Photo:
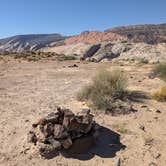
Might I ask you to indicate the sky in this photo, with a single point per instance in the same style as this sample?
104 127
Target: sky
70 17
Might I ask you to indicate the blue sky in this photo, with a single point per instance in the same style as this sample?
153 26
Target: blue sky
73 16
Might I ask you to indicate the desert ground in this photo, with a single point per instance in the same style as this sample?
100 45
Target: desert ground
30 90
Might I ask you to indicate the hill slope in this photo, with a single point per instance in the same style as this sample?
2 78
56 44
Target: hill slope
28 42
148 33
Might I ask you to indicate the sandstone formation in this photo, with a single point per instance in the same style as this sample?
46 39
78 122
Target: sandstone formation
148 33
93 37
142 51
114 51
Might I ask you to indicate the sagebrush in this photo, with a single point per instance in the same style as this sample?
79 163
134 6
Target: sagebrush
160 70
104 87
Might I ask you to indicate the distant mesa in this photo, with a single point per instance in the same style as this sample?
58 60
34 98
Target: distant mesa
147 33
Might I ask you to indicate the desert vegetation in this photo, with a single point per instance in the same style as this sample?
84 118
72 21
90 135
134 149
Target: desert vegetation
105 86
160 70
160 95
34 56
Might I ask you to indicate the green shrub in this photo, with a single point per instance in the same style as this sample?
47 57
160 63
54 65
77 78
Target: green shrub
104 87
142 62
65 57
160 70
160 95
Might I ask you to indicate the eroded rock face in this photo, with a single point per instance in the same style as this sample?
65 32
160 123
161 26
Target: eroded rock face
148 33
63 130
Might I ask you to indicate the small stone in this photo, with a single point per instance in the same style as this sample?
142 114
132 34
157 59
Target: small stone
66 143
56 144
34 125
46 149
48 129
52 118
73 65
142 127
156 118
32 137
41 121
144 106
158 111
68 115
60 132
156 155
152 164
118 162
151 75
39 133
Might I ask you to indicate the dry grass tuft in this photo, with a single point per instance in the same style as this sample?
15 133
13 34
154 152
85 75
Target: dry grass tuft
121 128
160 95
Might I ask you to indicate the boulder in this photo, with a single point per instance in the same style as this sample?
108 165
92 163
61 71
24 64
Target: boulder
103 52
81 123
118 48
59 132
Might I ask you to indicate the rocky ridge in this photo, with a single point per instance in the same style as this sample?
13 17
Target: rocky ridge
114 51
28 42
148 33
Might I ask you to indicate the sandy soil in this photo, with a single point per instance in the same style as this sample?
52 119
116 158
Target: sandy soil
29 90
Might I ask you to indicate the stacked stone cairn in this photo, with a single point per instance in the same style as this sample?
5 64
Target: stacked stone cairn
60 129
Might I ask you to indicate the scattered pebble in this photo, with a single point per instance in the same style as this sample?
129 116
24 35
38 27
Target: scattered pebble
156 155
144 106
152 164
155 118
158 111
142 127
118 162
73 65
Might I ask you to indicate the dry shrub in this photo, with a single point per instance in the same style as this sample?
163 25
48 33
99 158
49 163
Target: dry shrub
62 57
104 87
160 70
160 95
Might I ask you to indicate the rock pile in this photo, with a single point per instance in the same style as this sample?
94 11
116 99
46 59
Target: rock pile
59 130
